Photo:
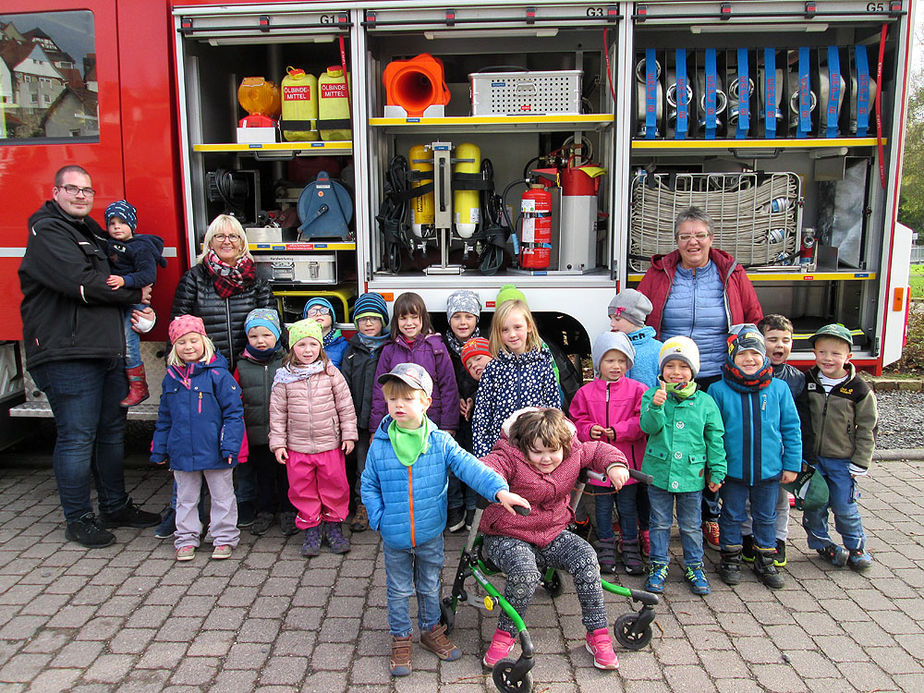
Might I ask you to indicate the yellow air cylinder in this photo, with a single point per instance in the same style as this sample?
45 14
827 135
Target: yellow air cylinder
334 104
420 160
466 203
299 106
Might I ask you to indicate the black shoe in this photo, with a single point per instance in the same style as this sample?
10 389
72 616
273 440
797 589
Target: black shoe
730 567
780 559
455 519
469 518
287 523
129 516
167 527
262 524
87 532
766 572
246 514
747 548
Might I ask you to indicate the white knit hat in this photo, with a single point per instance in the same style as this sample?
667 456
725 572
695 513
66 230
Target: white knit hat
682 348
609 341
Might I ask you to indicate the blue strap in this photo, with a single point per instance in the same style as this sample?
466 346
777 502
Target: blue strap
711 85
834 89
805 94
683 108
744 94
651 94
770 88
862 90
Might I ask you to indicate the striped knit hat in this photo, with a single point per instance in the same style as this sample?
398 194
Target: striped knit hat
370 305
475 347
125 211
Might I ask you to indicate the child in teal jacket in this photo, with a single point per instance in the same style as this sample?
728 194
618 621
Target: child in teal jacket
685 453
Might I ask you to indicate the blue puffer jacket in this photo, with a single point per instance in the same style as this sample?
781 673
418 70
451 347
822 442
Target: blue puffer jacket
762 430
200 423
696 308
407 505
645 367
335 344
509 383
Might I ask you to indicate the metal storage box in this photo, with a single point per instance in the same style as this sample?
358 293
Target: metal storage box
300 269
526 93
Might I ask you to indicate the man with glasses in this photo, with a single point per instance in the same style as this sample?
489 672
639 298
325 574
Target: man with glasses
75 349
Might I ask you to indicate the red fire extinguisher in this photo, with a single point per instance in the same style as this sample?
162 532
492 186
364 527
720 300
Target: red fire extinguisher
536 228
807 248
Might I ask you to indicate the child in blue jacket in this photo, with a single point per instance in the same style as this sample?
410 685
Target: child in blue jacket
763 447
404 489
200 430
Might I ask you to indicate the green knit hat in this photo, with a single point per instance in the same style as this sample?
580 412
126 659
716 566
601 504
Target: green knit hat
508 292
305 328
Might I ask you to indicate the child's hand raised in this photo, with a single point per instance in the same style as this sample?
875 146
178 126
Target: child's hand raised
347 446
282 455
597 431
660 396
509 500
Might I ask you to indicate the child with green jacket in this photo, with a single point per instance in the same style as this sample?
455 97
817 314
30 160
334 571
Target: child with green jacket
685 453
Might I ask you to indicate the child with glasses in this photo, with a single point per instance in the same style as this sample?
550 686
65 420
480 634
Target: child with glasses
134 258
322 312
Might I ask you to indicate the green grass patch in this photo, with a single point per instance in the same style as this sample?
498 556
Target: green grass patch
917 281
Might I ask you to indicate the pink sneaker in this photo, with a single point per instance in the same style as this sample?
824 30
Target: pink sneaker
501 645
600 645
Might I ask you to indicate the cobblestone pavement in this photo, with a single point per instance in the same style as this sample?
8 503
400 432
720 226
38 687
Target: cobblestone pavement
129 618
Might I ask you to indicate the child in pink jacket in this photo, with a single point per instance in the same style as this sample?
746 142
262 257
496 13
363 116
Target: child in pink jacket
608 409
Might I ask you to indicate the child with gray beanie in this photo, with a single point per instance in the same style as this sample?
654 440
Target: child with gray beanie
608 409
463 309
628 311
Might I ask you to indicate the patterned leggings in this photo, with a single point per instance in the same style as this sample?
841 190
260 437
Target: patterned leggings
524 564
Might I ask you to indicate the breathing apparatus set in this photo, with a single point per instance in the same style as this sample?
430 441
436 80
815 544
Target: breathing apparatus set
441 194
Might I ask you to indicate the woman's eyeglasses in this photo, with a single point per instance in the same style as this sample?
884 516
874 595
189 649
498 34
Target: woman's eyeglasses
222 237
687 237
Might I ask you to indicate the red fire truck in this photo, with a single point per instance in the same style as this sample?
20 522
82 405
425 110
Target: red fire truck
783 119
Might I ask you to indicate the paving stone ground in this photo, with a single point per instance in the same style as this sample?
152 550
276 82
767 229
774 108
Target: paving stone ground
128 618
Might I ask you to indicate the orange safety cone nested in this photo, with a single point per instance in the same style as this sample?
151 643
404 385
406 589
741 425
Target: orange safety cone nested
415 84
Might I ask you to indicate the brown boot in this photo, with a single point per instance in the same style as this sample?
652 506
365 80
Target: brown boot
439 643
400 664
137 387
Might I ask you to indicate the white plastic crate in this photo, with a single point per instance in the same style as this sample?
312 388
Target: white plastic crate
525 93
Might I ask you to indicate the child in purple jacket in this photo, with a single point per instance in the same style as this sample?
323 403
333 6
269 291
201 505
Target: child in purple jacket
608 409
413 341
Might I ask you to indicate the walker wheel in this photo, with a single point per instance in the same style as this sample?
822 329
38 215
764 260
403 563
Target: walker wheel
625 634
447 615
503 671
553 585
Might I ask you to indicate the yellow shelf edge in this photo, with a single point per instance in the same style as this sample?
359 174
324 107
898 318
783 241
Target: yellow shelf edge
495 120
758 144
794 276
297 246
274 146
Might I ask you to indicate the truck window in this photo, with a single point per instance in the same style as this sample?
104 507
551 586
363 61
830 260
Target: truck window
48 85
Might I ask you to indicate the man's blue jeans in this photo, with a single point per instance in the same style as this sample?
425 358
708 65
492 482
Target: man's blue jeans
688 519
735 496
413 571
842 500
84 395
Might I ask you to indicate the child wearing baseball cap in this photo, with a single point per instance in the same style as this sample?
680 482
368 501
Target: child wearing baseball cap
844 417
685 454
199 431
404 489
